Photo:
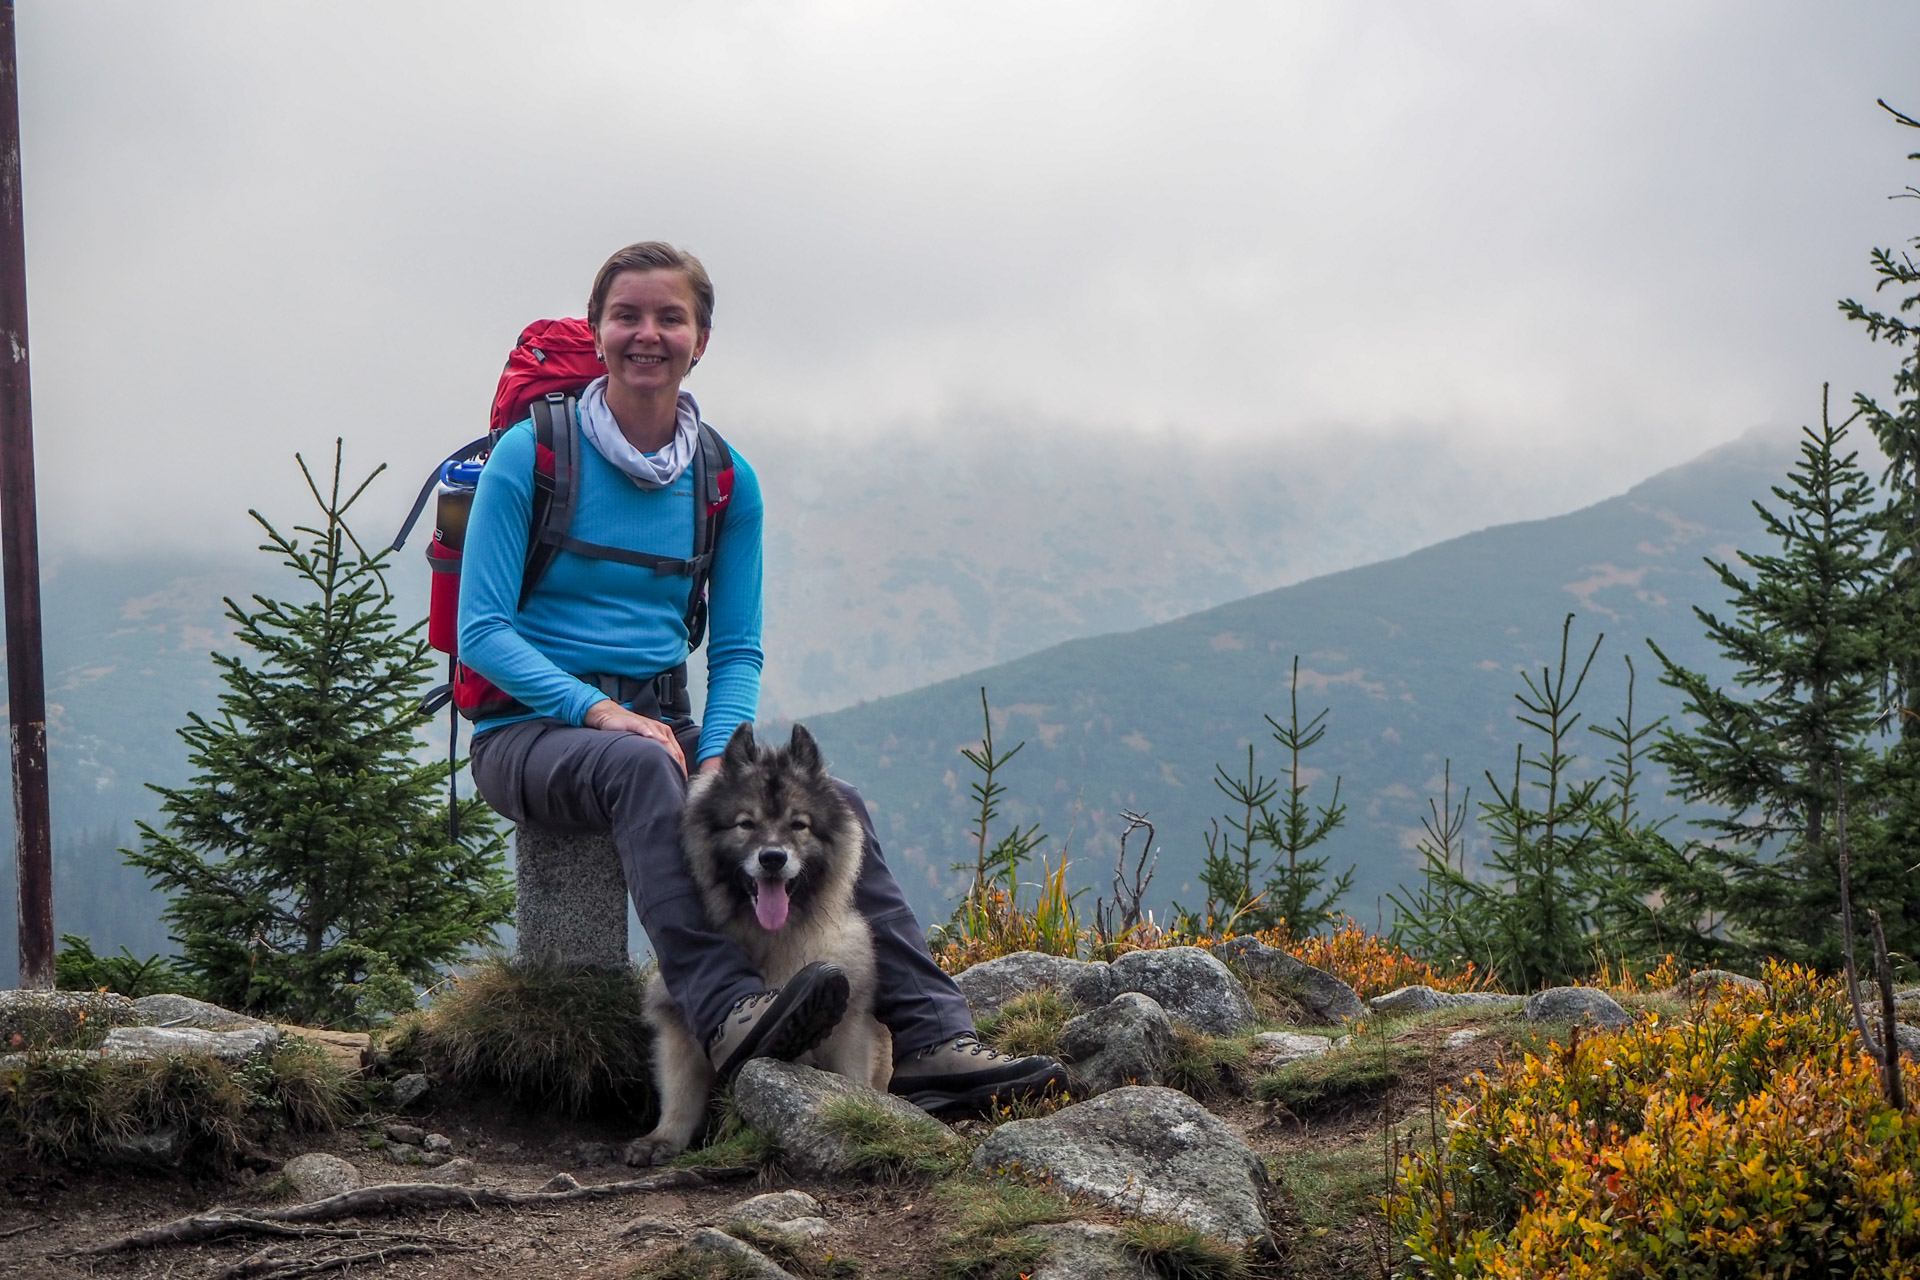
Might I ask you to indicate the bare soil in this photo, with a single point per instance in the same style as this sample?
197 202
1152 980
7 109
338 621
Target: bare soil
47 1214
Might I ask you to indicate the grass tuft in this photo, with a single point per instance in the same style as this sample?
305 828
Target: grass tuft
996 1206
891 1146
545 1035
55 1107
1029 1023
1010 1257
1175 1252
1276 999
1206 1067
731 1143
1338 1078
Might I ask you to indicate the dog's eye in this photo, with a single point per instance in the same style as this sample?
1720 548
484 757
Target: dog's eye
744 823
798 824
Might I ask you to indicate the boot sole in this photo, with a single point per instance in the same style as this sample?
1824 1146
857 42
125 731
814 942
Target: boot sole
803 1014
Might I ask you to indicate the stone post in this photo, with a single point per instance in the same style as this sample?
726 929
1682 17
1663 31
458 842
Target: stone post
572 898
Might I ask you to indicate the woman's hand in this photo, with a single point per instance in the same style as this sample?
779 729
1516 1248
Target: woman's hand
608 714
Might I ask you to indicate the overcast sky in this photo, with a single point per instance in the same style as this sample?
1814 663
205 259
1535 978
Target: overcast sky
1572 243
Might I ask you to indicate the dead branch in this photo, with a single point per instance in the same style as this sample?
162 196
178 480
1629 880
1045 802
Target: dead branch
1887 1054
1128 891
1883 973
1846 914
394 1197
11 1232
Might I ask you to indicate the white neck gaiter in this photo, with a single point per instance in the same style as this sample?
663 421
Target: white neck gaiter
648 470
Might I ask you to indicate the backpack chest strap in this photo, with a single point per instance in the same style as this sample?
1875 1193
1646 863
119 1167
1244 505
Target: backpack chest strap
663 566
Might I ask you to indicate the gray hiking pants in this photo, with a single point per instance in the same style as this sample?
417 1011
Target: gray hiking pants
549 774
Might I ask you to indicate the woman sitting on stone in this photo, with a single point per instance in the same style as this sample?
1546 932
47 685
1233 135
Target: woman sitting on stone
594 751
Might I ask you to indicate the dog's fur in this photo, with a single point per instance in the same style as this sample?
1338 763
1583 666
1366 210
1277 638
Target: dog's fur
768 801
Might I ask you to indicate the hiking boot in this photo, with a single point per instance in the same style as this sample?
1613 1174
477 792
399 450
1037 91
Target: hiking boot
962 1072
782 1023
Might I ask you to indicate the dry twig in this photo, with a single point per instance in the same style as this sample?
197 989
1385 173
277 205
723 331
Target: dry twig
267 1266
393 1197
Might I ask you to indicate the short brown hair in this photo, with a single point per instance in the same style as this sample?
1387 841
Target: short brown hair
653 255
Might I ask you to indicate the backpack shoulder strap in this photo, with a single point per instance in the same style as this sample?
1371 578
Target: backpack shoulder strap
556 485
712 492
466 452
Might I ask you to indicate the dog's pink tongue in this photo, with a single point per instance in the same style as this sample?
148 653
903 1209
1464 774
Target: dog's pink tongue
771 905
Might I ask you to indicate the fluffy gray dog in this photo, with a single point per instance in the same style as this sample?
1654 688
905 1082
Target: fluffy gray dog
774 848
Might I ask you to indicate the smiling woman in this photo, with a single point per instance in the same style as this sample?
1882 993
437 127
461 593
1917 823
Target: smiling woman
599 734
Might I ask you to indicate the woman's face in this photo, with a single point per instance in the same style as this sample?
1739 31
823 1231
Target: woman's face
649 331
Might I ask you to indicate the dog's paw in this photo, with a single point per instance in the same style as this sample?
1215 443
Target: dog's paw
650 1150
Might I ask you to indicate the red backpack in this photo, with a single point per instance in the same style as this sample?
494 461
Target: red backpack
549 366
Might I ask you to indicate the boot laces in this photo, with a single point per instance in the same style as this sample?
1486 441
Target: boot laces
968 1041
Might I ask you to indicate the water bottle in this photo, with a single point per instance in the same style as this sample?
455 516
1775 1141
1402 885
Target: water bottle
453 501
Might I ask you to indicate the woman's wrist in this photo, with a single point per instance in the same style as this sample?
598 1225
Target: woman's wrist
597 716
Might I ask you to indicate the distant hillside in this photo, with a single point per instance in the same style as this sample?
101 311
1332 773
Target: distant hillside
1416 657
896 566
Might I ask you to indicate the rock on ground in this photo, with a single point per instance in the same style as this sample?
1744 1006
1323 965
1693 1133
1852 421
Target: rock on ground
1571 1004
1087 1251
1326 997
786 1101
346 1050
1418 999
317 1175
793 1214
161 1148
1272 1049
160 1042
1190 985
58 1017
185 1011
1712 979
991 983
409 1090
1461 1039
1153 1152
1125 1041
570 898
744 1259
457 1173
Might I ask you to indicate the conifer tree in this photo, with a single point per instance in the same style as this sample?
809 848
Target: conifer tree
1535 906
1896 428
1807 639
311 872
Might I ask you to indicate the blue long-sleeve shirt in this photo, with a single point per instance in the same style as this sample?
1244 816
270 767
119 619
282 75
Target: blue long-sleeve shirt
602 616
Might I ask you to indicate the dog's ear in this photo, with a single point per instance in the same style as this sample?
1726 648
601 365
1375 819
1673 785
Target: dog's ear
804 751
739 755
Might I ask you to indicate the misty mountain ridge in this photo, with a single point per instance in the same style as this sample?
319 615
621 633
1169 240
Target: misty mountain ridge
1417 660
959 575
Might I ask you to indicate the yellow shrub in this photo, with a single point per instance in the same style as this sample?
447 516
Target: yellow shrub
1750 1139
1369 963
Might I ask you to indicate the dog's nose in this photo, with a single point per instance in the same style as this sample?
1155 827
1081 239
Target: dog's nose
772 859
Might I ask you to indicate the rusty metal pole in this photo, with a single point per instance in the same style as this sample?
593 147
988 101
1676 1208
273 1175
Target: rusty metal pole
20 552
